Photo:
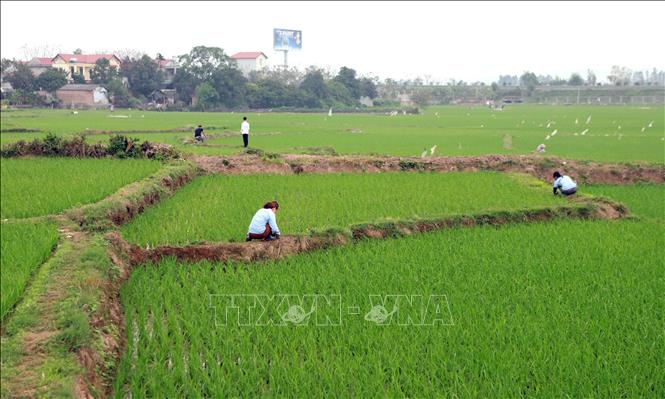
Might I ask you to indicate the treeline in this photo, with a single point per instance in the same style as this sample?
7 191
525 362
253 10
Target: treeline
206 78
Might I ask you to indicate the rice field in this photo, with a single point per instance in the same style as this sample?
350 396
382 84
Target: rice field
613 133
43 186
219 208
644 200
25 246
563 309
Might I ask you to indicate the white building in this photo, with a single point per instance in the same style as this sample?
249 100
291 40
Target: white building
250 61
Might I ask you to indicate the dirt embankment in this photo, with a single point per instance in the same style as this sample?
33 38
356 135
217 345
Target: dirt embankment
291 245
542 168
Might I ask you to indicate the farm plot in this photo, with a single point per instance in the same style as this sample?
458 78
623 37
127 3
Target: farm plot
609 133
25 246
219 208
564 309
645 200
43 186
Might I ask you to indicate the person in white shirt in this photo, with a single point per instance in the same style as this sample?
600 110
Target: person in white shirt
264 223
564 183
244 129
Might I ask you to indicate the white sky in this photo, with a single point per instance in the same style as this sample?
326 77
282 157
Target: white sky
468 41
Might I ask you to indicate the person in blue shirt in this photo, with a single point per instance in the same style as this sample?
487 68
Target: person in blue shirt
564 183
264 223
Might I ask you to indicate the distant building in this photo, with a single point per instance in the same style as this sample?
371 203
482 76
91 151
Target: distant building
82 96
170 68
366 101
405 100
81 64
38 65
162 97
250 61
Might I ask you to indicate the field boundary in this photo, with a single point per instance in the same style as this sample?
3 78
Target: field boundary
594 208
129 201
537 166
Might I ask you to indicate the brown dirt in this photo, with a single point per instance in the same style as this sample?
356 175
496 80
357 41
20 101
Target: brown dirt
290 245
540 167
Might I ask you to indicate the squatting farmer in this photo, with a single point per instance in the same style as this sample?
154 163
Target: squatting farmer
264 223
564 183
198 134
244 129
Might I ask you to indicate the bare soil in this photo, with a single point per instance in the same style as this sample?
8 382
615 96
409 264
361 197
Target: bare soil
540 167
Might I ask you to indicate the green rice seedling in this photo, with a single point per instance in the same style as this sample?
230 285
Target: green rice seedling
455 130
561 309
219 208
25 246
43 186
645 200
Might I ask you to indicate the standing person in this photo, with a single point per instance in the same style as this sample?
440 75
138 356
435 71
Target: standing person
244 129
198 134
564 183
264 223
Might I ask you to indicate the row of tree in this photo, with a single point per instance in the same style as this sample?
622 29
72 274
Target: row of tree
207 78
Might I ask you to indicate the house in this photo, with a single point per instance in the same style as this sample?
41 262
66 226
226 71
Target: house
366 101
405 100
250 61
163 97
38 65
81 64
82 96
169 67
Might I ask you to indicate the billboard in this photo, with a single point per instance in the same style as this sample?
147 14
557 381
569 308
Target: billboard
286 39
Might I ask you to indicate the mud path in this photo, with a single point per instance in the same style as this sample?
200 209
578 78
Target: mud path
582 208
542 168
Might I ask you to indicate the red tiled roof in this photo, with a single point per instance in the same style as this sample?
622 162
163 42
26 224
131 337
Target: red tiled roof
251 55
41 61
84 58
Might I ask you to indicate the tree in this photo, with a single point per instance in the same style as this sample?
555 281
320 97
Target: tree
78 51
619 75
102 72
78 78
590 78
575 80
314 84
230 84
185 84
7 66
202 62
206 96
367 88
347 77
421 97
267 93
338 92
143 75
118 92
22 78
528 82
51 80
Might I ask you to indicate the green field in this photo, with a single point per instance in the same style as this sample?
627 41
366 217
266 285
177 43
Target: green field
43 186
644 200
614 133
219 208
565 309
24 247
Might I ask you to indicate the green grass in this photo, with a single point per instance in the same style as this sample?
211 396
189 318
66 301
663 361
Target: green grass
645 200
25 246
43 186
457 130
565 309
219 208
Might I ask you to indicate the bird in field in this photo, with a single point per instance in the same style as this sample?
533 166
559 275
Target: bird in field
584 132
424 154
432 149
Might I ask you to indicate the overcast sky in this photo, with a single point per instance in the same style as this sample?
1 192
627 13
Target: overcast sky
467 41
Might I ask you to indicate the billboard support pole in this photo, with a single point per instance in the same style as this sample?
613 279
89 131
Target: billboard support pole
286 58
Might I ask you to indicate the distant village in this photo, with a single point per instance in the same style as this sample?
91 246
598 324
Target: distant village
245 80
81 92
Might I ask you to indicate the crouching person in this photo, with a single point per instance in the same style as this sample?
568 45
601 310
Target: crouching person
564 183
264 223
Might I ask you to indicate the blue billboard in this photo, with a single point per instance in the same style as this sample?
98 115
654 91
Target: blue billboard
286 39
